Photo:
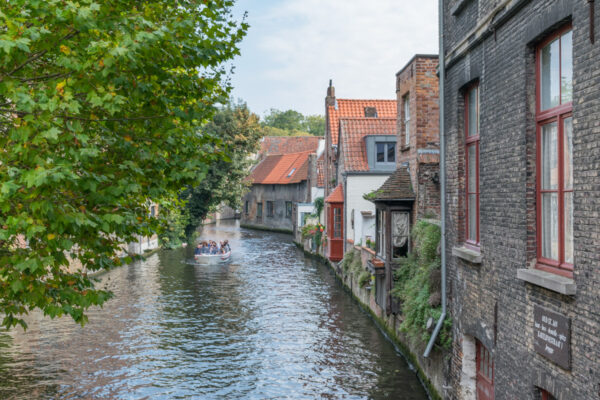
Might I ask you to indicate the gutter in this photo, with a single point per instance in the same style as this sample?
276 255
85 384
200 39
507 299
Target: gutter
442 69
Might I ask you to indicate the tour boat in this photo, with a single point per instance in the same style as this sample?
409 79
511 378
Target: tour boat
212 258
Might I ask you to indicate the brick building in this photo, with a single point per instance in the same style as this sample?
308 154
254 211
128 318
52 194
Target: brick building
417 91
522 151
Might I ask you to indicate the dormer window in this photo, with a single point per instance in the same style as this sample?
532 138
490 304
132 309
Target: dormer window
386 152
370 112
291 172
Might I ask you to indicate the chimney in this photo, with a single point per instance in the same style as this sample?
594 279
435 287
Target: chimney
330 99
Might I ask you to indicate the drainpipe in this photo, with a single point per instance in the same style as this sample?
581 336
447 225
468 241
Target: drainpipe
442 71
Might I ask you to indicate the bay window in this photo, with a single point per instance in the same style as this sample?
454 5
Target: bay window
554 154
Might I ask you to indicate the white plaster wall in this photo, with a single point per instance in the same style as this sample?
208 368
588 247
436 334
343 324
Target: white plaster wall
302 208
316 192
356 187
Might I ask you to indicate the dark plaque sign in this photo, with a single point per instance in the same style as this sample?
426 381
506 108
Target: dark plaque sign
552 336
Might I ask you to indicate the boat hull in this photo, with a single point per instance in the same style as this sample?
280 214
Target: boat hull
212 258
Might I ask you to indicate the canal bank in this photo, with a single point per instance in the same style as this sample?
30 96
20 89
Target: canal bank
431 371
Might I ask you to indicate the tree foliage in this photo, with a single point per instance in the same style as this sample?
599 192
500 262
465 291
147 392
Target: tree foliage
225 182
293 123
100 104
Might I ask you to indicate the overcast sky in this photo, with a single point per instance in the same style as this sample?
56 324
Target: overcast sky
294 47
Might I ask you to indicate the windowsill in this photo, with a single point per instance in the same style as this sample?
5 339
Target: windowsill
472 256
404 148
548 280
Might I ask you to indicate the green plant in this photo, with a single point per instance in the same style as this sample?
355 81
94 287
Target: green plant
372 195
371 244
417 286
363 278
319 205
314 232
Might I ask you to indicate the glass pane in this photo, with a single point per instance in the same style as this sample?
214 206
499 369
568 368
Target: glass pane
568 152
473 112
550 70
472 218
550 225
549 157
391 152
472 149
380 152
566 67
569 227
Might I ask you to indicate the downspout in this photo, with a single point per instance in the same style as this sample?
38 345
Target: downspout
442 72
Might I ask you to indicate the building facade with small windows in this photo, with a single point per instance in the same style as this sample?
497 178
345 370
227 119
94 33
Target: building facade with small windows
523 197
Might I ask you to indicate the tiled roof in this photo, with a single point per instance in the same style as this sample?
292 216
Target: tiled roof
397 187
281 169
337 196
347 108
271 145
321 172
352 133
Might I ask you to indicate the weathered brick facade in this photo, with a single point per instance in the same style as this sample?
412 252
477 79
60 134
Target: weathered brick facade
494 44
418 84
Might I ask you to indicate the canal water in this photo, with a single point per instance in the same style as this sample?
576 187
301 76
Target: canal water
269 324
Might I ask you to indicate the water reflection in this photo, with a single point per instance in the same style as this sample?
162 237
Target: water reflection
268 324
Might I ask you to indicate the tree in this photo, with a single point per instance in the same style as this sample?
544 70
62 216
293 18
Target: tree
314 124
289 120
100 104
226 181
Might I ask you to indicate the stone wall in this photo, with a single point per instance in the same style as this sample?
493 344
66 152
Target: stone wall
489 303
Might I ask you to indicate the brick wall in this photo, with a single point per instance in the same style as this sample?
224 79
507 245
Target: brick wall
487 301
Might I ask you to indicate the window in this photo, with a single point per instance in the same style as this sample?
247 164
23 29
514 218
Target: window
258 210
485 372
303 217
554 154
291 172
337 222
405 101
386 152
153 211
247 207
288 209
400 237
472 165
270 212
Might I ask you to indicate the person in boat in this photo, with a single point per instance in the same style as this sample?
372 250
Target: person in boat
213 248
205 248
225 248
198 250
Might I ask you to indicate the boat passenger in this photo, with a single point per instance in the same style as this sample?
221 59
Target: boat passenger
205 248
198 250
226 248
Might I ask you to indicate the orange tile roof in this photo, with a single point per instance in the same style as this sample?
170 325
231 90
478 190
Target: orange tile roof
352 133
337 196
347 108
271 145
281 169
321 171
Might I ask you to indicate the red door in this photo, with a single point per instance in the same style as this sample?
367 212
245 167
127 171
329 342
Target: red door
485 373
335 226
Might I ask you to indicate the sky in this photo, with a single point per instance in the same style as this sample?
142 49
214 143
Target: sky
293 48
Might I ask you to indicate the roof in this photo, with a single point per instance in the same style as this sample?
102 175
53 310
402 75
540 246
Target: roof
346 108
320 171
281 169
337 196
397 187
352 134
271 145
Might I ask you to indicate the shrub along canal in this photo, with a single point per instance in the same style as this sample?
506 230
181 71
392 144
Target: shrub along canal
268 324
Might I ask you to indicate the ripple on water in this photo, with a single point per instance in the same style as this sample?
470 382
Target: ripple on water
267 324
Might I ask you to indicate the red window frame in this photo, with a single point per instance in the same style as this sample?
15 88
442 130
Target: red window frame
555 114
471 141
485 372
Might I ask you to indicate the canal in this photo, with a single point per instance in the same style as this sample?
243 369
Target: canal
269 324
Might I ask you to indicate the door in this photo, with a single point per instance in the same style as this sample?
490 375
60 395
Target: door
485 373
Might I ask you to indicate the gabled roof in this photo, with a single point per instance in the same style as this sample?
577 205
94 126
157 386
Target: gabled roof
397 187
321 171
337 196
271 145
348 108
281 169
352 133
